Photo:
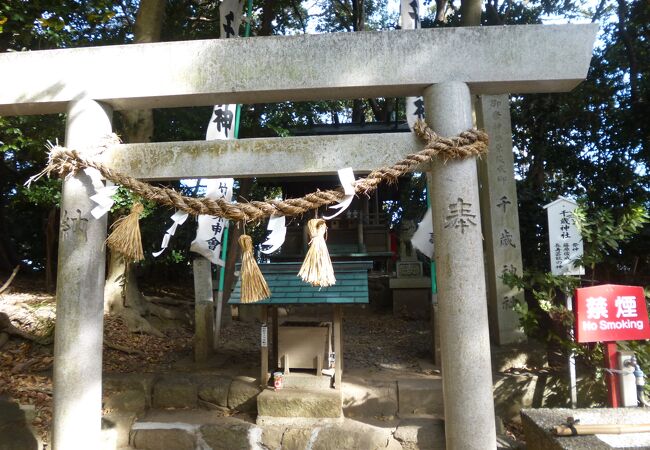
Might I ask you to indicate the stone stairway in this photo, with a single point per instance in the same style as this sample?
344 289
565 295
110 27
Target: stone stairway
214 411
304 399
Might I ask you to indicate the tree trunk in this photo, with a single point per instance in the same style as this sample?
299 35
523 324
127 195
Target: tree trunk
470 13
122 297
138 124
8 257
121 294
51 237
268 15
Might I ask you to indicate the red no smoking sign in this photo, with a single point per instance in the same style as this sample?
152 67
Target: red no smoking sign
611 313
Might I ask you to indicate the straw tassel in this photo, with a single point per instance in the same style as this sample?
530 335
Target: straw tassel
317 268
125 237
253 284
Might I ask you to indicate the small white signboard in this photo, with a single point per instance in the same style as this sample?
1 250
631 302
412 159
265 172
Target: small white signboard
264 339
564 238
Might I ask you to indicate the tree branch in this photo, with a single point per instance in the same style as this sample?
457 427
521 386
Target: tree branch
11 278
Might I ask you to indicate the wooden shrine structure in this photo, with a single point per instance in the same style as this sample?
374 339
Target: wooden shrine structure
306 344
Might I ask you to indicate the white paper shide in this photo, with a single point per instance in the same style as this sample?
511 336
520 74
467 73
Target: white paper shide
277 227
346 176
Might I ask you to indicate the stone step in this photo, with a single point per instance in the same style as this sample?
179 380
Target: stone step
200 430
363 397
420 396
315 405
193 429
299 380
421 433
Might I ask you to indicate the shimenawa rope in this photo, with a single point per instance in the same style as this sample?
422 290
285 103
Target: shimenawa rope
470 143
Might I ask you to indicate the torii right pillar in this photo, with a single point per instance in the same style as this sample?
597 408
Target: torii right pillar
464 329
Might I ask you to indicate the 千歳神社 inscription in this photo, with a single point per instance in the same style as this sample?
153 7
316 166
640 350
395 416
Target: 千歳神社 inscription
565 240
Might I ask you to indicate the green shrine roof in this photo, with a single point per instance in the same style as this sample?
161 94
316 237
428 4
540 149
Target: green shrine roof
287 288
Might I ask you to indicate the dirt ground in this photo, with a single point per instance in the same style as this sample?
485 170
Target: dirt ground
375 342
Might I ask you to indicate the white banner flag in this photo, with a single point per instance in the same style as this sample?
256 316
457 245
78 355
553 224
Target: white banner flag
222 122
209 234
422 239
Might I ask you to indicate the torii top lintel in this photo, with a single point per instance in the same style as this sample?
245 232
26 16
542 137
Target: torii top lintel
491 60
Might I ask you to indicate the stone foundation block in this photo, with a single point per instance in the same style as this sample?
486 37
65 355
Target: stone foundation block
175 393
420 396
243 394
351 435
296 438
163 439
129 401
144 382
363 398
215 390
230 434
272 437
421 433
300 403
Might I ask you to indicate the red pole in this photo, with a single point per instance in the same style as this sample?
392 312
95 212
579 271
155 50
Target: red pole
612 378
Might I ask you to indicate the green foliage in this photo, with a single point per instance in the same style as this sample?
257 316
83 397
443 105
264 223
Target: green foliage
543 314
546 302
124 200
46 192
604 233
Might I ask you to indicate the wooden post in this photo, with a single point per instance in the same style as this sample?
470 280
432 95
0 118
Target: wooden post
275 357
203 308
362 212
338 364
264 343
342 342
285 364
305 238
612 378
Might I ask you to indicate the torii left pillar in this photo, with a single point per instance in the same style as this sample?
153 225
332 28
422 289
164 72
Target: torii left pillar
78 337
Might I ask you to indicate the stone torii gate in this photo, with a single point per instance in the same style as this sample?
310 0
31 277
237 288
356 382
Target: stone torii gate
446 66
